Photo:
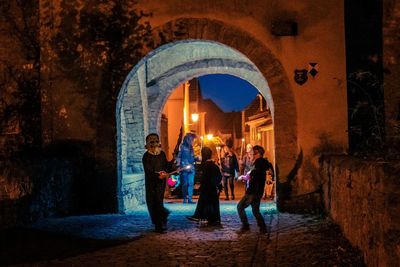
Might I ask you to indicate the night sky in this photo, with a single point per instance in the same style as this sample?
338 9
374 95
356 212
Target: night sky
230 93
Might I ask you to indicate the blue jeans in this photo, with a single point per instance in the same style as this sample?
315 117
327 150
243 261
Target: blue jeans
187 181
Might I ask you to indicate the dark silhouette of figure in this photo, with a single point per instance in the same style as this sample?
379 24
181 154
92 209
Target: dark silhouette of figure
156 165
210 187
255 190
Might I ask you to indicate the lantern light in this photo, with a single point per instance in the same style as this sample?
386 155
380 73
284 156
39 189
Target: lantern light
195 117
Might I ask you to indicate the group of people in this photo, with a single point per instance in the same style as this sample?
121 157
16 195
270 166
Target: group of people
157 168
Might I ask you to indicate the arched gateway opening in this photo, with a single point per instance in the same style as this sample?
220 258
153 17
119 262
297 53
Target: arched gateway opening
146 90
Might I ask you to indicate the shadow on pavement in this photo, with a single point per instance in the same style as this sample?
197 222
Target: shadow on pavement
29 245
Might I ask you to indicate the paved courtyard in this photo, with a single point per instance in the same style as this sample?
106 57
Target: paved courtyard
129 240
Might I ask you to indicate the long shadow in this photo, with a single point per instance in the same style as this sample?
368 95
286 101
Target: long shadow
26 246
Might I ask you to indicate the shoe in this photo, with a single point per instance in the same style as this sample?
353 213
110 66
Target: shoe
203 222
244 229
233 198
263 230
191 218
191 202
215 224
184 201
227 198
160 230
164 225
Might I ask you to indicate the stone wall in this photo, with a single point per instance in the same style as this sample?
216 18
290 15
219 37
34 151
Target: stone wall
391 55
132 191
363 198
31 189
60 182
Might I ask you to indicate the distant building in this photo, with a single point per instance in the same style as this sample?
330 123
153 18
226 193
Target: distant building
211 118
258 126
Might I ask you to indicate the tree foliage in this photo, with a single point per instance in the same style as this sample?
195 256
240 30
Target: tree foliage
20 108
106 36
367 116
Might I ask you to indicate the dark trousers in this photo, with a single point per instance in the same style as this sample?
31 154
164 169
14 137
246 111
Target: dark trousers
226 180
155 204
254 201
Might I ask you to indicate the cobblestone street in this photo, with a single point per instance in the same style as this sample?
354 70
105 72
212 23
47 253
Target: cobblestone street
129 240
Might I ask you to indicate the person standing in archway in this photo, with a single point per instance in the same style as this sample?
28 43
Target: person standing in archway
186 162
229 167
247 162
255 190
210 187
156 166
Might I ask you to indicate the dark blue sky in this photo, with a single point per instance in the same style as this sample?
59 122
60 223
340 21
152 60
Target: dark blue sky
230 93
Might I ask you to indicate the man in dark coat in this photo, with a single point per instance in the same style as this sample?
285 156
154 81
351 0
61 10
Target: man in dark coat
156 165
255 190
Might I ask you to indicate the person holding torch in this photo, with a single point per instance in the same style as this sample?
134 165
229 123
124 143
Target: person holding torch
156 167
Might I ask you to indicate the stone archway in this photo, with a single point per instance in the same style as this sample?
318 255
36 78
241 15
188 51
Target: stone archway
150 83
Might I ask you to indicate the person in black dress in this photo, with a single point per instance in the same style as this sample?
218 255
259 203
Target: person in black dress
210 187
155 166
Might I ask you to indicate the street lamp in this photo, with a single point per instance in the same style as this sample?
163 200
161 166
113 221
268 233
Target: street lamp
195 117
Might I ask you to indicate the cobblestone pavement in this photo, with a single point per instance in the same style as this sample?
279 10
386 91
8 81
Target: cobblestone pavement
129 240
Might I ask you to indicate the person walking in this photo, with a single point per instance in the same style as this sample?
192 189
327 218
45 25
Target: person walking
156 166
255 190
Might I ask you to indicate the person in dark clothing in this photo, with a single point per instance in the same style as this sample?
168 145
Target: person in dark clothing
210 187
229 166
255 190
156 165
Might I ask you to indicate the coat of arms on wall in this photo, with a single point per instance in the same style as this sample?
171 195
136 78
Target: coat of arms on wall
300 76
313 69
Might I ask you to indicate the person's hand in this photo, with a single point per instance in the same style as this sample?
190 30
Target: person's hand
162 174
